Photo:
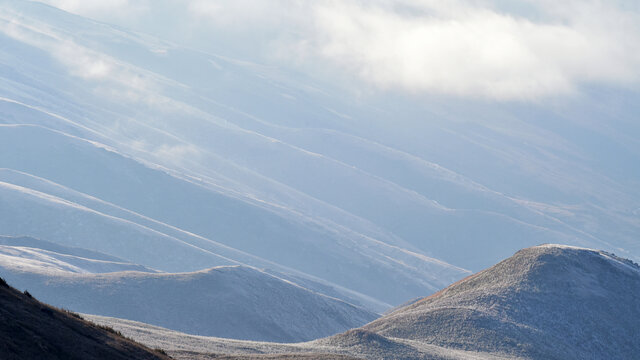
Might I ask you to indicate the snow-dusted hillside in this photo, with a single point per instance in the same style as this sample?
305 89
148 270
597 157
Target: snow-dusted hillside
544 302
29 259
150 217
180 160
233 301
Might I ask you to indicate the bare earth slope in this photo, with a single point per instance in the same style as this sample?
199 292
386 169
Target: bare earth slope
30 329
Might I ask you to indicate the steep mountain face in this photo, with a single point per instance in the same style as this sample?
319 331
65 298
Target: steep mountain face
232 302
30 329
545 302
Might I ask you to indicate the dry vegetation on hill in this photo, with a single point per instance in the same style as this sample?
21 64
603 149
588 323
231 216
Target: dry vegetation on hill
30 329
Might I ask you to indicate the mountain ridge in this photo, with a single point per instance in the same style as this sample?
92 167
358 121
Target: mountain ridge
547 301
230 301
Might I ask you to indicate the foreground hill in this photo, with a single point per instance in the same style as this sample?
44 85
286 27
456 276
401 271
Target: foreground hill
227 301
545 302
30 329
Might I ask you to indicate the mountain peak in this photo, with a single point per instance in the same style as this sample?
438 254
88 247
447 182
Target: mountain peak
548 301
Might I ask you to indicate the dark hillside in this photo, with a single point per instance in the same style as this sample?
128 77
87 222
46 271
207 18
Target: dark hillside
30 329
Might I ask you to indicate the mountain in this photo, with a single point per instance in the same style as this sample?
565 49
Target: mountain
213 189
32 255
127 152
139 213
30 329
544 302
362 171
47 246
180 160
230 301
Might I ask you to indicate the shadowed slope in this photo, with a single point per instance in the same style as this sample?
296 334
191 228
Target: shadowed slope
30 329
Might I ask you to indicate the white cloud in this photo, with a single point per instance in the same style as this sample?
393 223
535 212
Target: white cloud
80 61
207 9
493 49
99 8
103 73
177 154
461 49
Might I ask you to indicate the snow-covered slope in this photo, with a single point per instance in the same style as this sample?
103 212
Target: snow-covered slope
191 347
25 211
232 302
544 302
24 254
228 161
148 206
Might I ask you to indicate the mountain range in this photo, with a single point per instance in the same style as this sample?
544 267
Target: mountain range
260 164
164 189
235 301
544 302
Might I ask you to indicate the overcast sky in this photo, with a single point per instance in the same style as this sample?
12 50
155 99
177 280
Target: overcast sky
494 50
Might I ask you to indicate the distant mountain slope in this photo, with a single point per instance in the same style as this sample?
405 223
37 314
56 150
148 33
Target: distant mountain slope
233 302
545 302
78 193
31 330
462 182
181 160
24 211
39 256
31 242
